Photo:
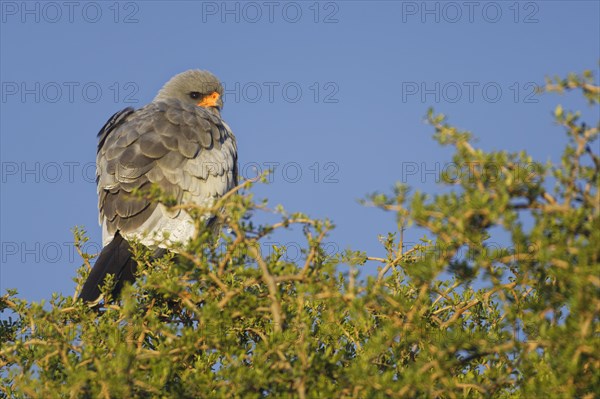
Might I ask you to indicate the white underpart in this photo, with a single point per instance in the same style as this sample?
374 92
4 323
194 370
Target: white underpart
164 228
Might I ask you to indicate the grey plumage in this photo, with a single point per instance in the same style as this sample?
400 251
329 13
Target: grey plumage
184 148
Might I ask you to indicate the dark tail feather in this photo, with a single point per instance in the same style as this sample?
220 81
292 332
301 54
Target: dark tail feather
116 259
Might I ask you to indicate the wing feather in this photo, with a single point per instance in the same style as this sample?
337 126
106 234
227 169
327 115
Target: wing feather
179 147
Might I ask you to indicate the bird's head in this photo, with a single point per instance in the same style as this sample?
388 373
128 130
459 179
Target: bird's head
201 88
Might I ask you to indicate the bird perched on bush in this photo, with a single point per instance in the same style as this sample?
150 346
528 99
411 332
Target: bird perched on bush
179 143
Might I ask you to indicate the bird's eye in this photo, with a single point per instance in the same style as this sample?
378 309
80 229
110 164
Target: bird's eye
195 95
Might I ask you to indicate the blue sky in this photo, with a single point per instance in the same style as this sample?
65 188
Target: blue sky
333 93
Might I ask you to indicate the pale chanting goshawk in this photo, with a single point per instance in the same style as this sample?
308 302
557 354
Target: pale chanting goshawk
178 142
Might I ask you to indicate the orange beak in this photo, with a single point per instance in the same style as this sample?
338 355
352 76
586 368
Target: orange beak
210 100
